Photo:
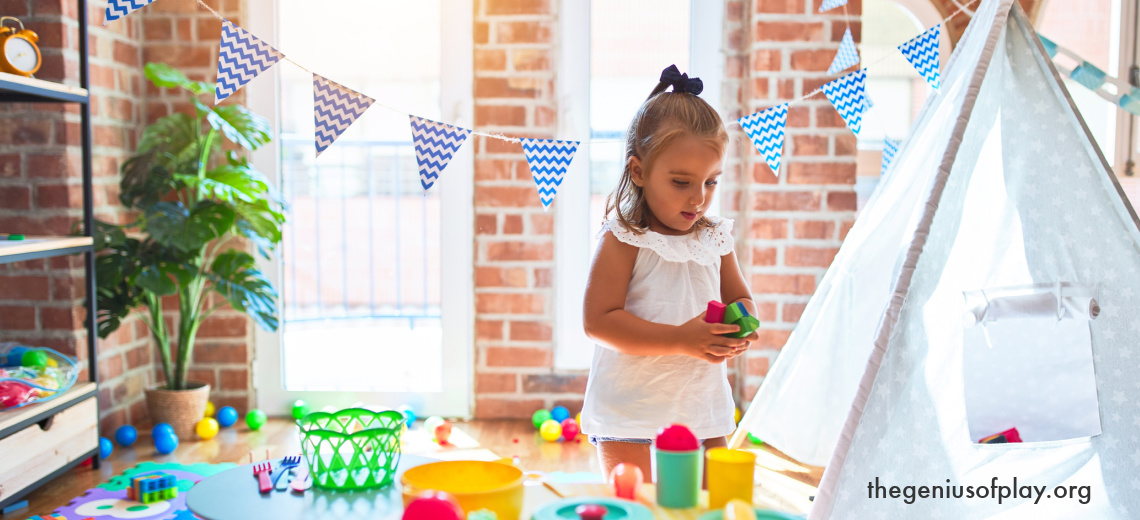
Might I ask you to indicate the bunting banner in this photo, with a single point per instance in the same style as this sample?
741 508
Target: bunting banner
922 53
120 8
1121 92
846 94
335 108
242 57
846 56
435 143
828 5
766 130
548 160
890 147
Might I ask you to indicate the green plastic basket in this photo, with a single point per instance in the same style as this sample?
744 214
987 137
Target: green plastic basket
353 449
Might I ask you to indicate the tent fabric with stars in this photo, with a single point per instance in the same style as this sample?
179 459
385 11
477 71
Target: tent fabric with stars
987 285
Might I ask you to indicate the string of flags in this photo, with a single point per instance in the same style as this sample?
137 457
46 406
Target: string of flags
1124 95
243 56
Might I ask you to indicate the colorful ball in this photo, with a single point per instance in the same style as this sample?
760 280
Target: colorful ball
627 478
209 409
578 419
34 358
559 413
736 415
105 447
409 414
677 437
539 418
432 422
126 435
433 505
207 428
300 409
754 439
569 429
166 443
227 416
442 432
550 430
255 419
161 429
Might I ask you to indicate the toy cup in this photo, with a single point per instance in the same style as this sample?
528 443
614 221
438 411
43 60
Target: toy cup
678 477
730 476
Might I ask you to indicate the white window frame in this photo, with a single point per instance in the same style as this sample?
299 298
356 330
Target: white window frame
572 350
458 279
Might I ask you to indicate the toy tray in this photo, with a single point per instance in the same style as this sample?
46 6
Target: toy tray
618 509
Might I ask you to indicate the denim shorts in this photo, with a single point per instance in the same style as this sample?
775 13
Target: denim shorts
595 440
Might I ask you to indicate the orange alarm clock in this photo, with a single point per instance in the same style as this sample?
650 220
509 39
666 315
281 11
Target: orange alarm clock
18 51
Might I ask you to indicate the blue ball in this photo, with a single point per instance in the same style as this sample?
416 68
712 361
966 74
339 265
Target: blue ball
227 416
126 435
105 447
160 429
166 443
559 414
409 415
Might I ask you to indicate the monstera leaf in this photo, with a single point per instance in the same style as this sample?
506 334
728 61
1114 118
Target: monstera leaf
239 125
163 75
236 277
172 224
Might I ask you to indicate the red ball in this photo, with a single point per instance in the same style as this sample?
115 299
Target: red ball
442 432
433 505
676 437
569 429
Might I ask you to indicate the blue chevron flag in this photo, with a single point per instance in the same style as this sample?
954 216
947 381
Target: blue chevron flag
847 55
335 108
242 57
766 130
846 94
435 143
922 52
119 8
548 160
828 5
890 148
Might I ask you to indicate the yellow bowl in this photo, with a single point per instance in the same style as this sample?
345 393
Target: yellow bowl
475 484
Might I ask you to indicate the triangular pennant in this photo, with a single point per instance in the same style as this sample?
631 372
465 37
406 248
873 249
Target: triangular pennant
119 8
242 57
846 94
335 108
890 148
847 55
435 143
766 130
922 53
548 160
828 5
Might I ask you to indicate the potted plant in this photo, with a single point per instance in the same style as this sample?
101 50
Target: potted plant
193 198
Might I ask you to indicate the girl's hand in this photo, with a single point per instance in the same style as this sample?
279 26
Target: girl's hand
702 340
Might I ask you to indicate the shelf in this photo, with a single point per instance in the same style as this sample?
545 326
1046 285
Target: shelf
19 418
34 247
15 88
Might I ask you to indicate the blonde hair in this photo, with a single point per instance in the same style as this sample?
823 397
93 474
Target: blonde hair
662 118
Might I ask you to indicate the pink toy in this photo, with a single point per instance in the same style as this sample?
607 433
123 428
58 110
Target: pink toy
591 511
262 472
627 478
15 394
433 505
715 312
442 432
569 429
676 437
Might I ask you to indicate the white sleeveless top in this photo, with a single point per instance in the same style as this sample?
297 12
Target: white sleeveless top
674 278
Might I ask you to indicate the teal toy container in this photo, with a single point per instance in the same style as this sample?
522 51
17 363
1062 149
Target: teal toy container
678 477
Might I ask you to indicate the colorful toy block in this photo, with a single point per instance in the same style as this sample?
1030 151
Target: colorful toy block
715 312
52 516
153 487
747 324
735 314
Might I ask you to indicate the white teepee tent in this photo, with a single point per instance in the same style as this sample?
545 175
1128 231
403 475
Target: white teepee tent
986 286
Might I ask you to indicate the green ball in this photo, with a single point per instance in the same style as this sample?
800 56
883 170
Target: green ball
34 358
300 409
255 419
540 417
754 439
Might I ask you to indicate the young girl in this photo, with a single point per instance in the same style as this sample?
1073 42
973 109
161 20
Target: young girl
660 261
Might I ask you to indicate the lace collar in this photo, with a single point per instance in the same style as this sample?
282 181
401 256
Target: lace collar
704 247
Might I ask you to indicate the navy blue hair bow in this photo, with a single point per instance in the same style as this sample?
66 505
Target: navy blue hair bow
681 82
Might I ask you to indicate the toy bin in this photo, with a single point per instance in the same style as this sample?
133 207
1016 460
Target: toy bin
476 485
353 449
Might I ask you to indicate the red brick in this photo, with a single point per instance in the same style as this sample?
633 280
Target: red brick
766 311
66 318
220 326
17 317
783 283
770 229
512 224
209 28
486 224
853 7
157 29
495 382
758 365
763 256
798 117
499 277
542 224
544 117
509 303
481 32
496 408
787 201
785 31
766 60
488 330
821 173
530 331
500 115
812 60
808 145
490 59
554 383
523 32
234 379
793 311
17 8
827 117
814 229
111 367
846 145
179 55
780 7
543 278
15 197
515 251
10 165
842 201
844 228
760 88
530 59
28 287
837 30
772 338
59 196
518 357
501 7
139 356
221 353
487 88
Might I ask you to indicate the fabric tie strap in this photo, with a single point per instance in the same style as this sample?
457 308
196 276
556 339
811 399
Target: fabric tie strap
682 82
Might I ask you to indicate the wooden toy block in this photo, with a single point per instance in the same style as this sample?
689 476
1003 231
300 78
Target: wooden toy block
734 312
715 312
153 487
747 324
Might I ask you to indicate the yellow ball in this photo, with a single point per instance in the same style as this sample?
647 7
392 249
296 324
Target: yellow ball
737 509
550 431
736 414
209 409
207 428
578 418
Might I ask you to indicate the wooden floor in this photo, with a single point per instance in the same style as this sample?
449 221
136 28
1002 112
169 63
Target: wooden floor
482 440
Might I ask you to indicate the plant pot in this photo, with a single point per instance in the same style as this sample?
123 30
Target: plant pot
181 409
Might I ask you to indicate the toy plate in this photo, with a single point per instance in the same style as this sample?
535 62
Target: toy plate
761 514
618 509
